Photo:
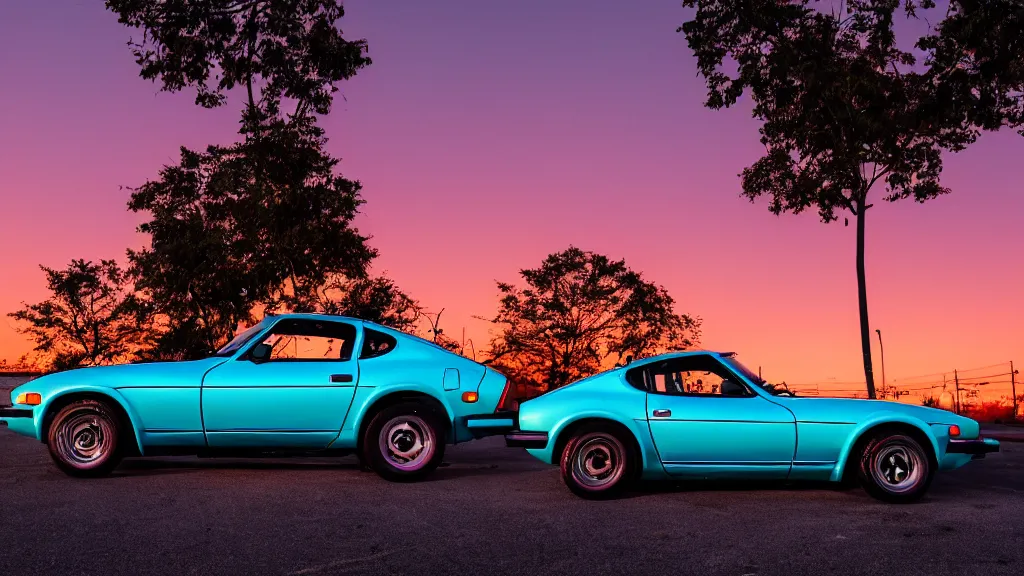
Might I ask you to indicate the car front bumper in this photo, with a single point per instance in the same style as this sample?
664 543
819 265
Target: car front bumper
977 448
18 420
528 440
8 412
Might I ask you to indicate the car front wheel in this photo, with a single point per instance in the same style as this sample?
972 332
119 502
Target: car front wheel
596 464
404 442
894 467
83 439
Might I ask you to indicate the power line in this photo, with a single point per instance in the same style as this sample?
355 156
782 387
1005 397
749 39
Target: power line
950 371
982 377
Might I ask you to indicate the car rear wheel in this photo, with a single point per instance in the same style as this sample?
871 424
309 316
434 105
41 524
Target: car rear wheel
894 467
83 439
404 442
596 463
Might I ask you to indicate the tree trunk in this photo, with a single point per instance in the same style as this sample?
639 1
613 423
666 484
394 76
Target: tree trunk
862 297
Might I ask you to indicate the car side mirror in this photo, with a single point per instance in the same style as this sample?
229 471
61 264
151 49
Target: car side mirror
260 353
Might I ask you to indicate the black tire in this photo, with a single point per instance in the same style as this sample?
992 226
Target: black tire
409 429
84 439
895 468
597 463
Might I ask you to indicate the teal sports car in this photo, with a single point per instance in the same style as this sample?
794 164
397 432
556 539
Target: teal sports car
703 415
291 384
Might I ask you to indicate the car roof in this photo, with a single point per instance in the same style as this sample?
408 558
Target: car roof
663 356
680 354
312 316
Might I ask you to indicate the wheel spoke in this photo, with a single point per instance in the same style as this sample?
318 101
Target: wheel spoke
898 467
407 442
597 463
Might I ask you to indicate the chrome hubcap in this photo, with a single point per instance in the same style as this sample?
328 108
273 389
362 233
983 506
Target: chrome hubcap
898 467
597 463
407 442
83 438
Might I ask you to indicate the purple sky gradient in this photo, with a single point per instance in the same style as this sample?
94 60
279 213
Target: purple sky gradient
489 134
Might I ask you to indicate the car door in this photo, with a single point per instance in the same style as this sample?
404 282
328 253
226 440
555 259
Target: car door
291 388
706 422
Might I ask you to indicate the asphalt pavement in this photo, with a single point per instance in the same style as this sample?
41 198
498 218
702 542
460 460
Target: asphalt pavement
489 510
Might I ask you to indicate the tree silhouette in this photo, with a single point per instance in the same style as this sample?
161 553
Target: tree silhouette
91 317
265 223
276 49
844 110
579 311
375 299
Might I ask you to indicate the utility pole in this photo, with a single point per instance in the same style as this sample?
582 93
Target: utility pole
956 380
1013 390
882 350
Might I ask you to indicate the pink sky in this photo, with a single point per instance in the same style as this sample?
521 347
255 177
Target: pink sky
490 134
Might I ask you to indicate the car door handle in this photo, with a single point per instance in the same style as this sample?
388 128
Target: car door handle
662 413
341 377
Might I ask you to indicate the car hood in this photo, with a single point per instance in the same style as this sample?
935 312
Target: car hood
856 410
188 373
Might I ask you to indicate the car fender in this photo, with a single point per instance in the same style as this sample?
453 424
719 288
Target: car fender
878 419
367 396
104 391
641 433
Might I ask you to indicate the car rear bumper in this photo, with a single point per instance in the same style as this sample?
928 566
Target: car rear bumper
490 424
977 448
529 440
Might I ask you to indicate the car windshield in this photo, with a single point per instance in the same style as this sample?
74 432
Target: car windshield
242 338
732 362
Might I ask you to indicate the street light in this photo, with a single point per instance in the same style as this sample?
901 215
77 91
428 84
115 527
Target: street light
882 350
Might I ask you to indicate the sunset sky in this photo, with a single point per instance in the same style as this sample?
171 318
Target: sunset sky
490 134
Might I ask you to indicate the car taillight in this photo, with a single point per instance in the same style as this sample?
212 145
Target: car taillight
505 397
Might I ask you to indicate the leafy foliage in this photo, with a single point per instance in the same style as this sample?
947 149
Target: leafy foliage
375 299
287 48
451 344
976 59
262 222
579 310
265 223
91 317
844 108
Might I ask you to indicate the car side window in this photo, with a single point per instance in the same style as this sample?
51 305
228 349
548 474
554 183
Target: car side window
376 344
300 340
692 376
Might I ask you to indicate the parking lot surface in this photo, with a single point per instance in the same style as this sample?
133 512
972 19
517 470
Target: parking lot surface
489 510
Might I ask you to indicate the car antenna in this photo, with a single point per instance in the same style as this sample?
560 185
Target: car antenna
629 358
